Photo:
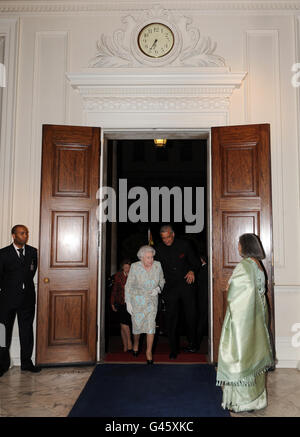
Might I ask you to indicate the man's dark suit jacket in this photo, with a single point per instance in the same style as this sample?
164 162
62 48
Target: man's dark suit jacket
14 273
176 261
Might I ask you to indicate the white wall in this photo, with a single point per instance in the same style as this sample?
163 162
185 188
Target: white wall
264 42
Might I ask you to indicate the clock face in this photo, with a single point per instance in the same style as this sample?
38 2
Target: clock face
156 40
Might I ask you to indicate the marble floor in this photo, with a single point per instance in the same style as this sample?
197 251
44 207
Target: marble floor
53 392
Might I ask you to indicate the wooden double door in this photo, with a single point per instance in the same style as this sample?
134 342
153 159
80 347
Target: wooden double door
68 254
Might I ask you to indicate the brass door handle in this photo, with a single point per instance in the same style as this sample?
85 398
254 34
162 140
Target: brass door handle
46 280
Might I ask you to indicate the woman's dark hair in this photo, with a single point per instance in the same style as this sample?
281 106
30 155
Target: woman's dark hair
125 261
251 246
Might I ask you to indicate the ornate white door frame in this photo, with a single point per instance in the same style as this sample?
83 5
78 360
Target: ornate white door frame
148 98
188 89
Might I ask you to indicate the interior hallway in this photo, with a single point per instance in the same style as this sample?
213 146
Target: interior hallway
53 392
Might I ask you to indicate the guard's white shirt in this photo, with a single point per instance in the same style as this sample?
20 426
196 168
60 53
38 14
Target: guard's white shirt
16 248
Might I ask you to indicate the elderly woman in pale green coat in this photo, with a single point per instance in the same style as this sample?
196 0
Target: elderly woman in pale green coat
245 351
145 281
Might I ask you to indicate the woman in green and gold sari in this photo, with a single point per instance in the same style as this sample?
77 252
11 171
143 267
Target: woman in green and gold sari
245 352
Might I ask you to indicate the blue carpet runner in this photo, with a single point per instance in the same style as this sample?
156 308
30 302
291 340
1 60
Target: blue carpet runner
161 390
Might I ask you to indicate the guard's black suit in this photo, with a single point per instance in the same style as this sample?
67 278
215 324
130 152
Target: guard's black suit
14 299
177 260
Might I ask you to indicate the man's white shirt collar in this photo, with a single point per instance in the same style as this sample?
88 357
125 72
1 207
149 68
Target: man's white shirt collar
16 248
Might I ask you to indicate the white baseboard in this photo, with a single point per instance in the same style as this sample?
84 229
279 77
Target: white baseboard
15 359
15 346
287 289
15 352
288 364
288 357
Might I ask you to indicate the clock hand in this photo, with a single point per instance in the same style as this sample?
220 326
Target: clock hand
153 45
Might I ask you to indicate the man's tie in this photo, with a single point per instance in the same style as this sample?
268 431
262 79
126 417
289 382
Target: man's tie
22 257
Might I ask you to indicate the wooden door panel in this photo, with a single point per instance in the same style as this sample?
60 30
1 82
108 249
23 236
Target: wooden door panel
69 239
68 262
236 223
232 183
241 203
71 170
67 315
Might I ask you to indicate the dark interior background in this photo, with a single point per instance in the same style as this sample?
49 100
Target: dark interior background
181 163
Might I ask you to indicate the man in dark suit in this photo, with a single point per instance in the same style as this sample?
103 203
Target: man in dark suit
18 264
179 265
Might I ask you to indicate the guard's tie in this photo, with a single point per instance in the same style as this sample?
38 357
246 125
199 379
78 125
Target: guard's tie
22 257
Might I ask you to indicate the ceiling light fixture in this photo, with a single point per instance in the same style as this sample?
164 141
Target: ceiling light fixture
160 142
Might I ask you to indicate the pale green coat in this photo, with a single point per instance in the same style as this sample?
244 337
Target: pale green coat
138 288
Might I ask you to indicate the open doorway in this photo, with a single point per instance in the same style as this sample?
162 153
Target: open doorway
139 163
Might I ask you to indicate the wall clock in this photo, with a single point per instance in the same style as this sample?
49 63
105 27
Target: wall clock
156 40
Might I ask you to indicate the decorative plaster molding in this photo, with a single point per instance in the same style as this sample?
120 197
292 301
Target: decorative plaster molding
73 6
190 49
287 288
154 92
155 104
57 115
272 79
123 91
287 355
297 59
9 33
176 78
